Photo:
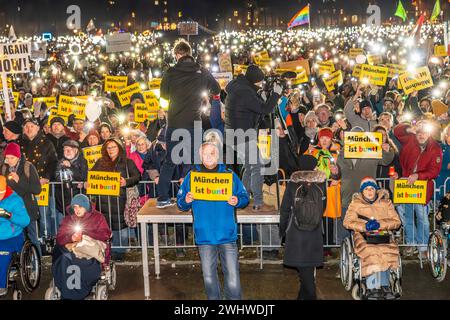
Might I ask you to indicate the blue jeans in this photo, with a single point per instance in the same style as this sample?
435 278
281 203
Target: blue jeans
228 254
120 239
7 248
415 220
377 280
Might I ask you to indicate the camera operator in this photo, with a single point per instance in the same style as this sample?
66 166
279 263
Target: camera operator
243 110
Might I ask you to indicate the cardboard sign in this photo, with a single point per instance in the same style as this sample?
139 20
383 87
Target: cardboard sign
376 75
151 101
333 79
72 105
440 51
374 59
239 69
354 52
92 154
223 78
264 145
42 198
325 67
363 145
225 62
407 193
188 28
296 65
141 112
118 42
15 57
103 183
415 81
212 186
114 83
395 69
356 71
125 94
155 84
49 101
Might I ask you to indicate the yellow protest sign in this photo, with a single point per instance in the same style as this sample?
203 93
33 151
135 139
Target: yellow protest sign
415 81
9 83
263 62
103 183
295 65
151 101
374 59
440 51
264 144
356 71
42 198
333 79
325 67
16 98
239 69
49 101
262 55
154 84
114 83
125 94
141 112
72 105
92 154
410 193
354 52
223 78
395 69
302 77
211 186
363 145
375 75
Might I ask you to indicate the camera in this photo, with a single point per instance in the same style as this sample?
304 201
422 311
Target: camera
282 80
66 176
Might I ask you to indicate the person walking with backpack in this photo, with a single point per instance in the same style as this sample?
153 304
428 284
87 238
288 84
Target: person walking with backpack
303 205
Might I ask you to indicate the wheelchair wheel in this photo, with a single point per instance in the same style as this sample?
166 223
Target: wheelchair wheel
359 291
437 255
397 288
101 292
17 294
113 277
346 264
30 267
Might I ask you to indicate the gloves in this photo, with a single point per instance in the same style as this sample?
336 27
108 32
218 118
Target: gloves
5 214
277 88
372 225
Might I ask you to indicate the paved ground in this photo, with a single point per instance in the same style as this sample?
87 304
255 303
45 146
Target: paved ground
182 280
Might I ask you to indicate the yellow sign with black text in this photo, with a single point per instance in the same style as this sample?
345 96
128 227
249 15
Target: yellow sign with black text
42 198
114 83
103 183
155 84
325 67
333 79
49 101
363 145
374 59
72 105
410 193
92 154
415 81
354 52
125 94
375 75
440 51
151 101
211 186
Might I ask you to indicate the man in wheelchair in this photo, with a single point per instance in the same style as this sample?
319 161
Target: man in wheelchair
369 215
13 219
81 249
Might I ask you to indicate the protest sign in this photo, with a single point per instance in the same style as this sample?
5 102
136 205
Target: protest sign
49 101
264 144
42 198
414 81
212 186
374 59
333 79
92 154
302 77
141 112
394 70
375 75
239 69
440 51
118 42
325 67
103 183
151 101
407 193
354 52
125 94
295 66
155 84
114 83
225 62
223 78
356 71
72 105
363 145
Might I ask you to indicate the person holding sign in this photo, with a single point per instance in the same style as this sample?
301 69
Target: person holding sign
421 159
215 226
359 111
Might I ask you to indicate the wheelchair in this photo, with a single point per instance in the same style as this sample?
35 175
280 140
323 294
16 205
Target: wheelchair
24 271
350 270
437 251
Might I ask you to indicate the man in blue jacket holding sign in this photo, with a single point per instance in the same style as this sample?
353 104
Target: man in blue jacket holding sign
215 225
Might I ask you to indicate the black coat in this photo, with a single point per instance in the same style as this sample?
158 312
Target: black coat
184 85
27 188
58 144
243 106
302 248
41 153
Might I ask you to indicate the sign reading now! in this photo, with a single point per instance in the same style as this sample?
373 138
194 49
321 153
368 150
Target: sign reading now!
415 81
125 94
363 145
42 198
212 186
410 193
15 57
375 75
114 83
103 183
72 105
92 154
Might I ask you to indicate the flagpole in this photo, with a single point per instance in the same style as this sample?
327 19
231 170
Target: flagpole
309 16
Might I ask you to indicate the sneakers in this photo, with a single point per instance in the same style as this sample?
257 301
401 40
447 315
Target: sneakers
263 208
387 293
374 294
3 292
165 204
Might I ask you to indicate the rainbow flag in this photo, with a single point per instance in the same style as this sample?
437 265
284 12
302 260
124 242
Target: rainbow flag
301 18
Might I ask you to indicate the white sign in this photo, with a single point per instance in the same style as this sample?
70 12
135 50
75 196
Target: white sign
15 57
118 42
223 78
188 28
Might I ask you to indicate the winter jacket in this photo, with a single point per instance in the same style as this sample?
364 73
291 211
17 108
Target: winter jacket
302 248
138 161
58 144
427 163
356 120
113 207
214 221
243 106
184 86
28 186
41 153
13 203
375 257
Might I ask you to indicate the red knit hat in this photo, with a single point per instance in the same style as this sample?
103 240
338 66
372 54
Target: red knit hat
13 149
325 132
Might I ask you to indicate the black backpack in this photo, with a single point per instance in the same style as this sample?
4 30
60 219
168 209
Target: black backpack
308 206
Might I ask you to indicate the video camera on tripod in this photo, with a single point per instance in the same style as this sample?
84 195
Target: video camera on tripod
283 80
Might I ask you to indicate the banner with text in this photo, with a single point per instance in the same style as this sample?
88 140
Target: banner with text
212 186
410 193
363 145
103 183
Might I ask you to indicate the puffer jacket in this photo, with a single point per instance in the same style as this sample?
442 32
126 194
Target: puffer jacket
374 257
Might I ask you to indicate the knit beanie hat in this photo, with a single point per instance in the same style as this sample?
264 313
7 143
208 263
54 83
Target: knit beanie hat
14 127
368 182
82 201
325 132
13 149
254 74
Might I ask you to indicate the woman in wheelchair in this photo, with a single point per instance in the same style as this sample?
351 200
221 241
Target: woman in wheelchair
369 212
13 219
81 249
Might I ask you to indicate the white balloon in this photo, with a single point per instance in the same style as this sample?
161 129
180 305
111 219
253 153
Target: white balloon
93 111
360 59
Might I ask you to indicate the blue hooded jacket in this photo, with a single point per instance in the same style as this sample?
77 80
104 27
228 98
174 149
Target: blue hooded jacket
10 228
214 221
